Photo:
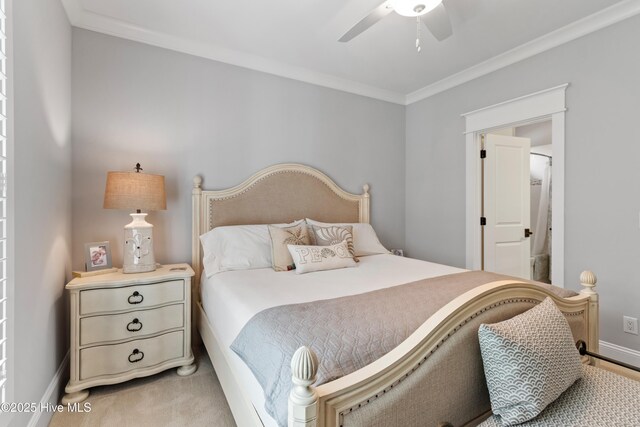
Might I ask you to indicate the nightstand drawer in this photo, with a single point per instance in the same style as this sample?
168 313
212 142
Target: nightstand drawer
113 327
130 297
119 358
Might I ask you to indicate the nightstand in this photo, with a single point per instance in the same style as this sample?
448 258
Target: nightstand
126 326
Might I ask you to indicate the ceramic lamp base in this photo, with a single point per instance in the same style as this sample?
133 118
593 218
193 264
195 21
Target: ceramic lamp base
138 245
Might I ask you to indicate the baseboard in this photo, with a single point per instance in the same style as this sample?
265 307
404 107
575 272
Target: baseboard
623 354
51 395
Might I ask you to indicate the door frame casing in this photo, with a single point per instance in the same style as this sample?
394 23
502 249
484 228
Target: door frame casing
548 104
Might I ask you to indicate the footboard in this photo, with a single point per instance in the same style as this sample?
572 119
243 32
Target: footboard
436 375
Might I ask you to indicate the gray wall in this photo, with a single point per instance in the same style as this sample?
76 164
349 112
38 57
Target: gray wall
602 173
42 179
181 115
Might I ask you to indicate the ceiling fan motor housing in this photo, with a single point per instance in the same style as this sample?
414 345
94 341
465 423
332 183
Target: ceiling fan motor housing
413 8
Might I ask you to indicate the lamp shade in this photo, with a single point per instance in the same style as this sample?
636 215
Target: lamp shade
134 190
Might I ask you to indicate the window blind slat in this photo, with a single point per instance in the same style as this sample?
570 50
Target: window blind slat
4 102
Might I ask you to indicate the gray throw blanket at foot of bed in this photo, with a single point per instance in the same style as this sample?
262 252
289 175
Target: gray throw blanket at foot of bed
346 333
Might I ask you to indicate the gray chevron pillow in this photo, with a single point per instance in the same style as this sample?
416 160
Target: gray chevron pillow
529 360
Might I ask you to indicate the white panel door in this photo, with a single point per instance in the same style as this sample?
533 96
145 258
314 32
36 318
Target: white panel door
506 205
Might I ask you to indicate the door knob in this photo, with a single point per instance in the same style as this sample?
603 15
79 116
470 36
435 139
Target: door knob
527 232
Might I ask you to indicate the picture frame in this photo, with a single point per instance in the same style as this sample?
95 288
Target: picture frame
97 256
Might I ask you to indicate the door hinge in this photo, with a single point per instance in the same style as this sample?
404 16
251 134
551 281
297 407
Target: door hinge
483 220
483 154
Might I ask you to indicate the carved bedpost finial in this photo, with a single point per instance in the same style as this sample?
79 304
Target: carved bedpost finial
366 190
303 398
197 181
588 280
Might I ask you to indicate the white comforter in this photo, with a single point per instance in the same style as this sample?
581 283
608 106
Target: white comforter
231 298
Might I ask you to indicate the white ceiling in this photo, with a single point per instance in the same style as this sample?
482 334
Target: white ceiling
298 38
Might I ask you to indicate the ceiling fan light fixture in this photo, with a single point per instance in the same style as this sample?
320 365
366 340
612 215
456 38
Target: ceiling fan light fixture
414 8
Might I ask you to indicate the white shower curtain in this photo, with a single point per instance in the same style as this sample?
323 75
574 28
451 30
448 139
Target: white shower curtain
542 226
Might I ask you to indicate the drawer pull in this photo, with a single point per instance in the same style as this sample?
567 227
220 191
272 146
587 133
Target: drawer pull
136 356
134 326
135 298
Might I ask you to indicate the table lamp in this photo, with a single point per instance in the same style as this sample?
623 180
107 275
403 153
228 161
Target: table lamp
142 192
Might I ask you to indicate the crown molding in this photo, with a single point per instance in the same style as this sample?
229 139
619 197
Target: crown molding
82 18
589 24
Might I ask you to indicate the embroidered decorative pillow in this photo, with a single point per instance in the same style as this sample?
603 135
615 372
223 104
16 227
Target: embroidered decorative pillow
365 240
281 237
529 360
317 258
332 235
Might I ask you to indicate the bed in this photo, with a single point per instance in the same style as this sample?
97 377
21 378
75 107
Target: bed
434 375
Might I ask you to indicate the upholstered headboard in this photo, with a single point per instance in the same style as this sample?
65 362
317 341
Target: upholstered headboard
278 194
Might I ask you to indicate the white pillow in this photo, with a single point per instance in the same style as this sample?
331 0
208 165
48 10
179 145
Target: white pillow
318 258
237 247
365 240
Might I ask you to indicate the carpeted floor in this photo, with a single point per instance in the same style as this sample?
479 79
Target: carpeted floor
169 400
165 399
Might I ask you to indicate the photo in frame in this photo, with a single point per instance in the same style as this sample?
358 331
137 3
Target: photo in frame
97 256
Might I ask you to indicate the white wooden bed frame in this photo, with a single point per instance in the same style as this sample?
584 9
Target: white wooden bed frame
326 404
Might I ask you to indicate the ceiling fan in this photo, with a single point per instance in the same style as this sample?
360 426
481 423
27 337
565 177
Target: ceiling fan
430 12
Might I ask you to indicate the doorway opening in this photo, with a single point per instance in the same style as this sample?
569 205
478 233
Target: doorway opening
517 209
521 114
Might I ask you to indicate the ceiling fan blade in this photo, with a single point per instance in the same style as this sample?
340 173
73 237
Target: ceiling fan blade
437 21
376 14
